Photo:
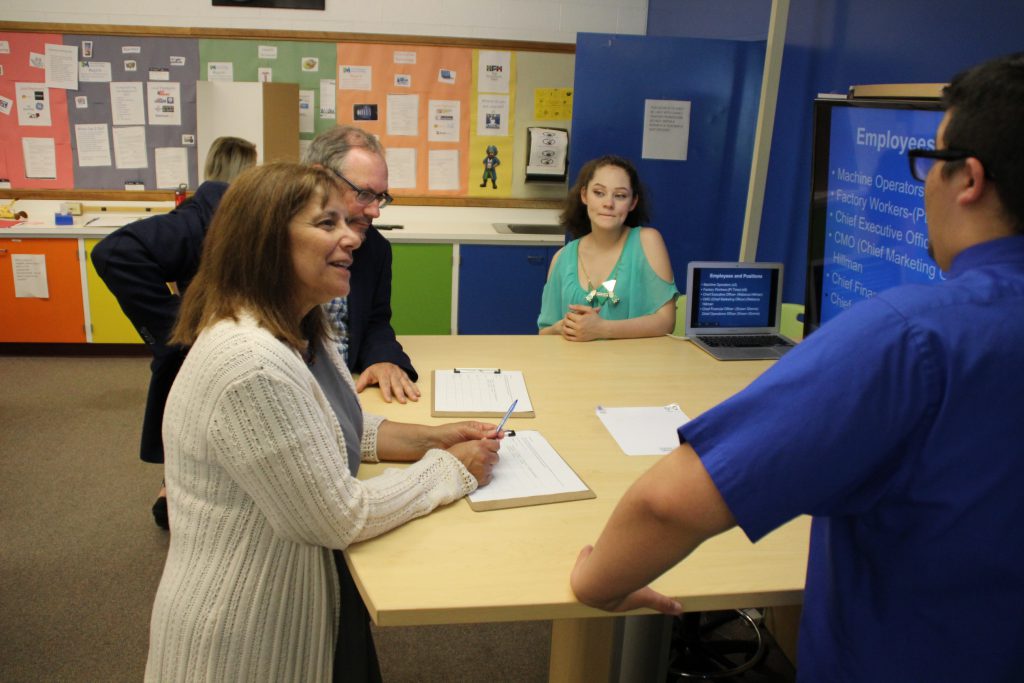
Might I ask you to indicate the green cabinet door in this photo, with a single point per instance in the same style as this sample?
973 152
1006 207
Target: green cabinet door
421 288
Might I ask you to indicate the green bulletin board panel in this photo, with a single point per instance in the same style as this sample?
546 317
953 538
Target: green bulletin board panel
294 63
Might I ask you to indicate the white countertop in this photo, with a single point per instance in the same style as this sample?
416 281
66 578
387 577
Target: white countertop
420 224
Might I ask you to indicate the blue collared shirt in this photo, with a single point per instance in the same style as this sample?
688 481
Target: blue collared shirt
899 425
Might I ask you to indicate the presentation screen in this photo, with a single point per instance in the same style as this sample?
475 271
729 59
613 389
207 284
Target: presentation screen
867 226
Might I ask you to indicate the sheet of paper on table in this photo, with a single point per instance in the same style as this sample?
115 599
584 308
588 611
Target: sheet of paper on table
644 430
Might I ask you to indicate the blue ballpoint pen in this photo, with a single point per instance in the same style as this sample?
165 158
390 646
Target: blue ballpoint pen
508 414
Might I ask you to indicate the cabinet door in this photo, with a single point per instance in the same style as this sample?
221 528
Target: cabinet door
60 316
421 288
500 288
109 323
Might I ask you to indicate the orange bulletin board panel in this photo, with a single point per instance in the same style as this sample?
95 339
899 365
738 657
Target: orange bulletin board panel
417 100
60 317
33 121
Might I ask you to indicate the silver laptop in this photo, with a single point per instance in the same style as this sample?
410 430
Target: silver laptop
733 310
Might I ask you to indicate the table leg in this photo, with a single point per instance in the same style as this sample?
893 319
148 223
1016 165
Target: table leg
585 650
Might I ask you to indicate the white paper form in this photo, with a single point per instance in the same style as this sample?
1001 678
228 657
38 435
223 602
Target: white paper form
126 104
40 156
666 129
486 390
30 276
164 101
495 71
130 147
62 66
403 114
401 167
443 120
171 166
307 113
528 466
94 72
93 144
220 71
492 115
644 431
328 99
33 104
443 169
355 77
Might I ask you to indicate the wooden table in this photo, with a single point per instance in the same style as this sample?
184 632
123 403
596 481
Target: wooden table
460 566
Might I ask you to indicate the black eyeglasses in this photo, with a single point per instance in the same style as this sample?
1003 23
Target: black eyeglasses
367 197
922 160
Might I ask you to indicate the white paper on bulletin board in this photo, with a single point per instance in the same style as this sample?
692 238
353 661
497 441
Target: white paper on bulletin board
666 129
307 117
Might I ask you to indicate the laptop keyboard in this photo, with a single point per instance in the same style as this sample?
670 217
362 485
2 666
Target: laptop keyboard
743 340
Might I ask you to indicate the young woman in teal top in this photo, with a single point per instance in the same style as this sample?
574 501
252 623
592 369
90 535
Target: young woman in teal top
613 281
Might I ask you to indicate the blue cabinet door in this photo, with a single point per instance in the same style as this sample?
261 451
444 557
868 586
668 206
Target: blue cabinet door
500 288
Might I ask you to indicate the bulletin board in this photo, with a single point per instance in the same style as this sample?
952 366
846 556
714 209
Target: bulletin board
33 125
416 99
135 125
128 121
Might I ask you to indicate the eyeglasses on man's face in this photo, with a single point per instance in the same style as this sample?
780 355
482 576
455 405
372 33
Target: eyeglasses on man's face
922 160
366 197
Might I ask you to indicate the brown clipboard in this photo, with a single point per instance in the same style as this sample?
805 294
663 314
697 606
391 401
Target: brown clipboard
543 499
506 503
434 412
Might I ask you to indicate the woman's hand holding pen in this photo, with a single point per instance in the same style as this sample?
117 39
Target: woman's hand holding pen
479 457
447 435
475 444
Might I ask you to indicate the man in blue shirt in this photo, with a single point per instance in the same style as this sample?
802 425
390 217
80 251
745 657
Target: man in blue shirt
897 426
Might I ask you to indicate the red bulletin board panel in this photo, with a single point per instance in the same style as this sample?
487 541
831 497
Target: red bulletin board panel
20 59
432 73
58 318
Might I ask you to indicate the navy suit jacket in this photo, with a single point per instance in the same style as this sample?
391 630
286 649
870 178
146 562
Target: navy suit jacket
137 260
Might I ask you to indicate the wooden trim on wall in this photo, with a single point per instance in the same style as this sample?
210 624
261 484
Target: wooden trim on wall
277 34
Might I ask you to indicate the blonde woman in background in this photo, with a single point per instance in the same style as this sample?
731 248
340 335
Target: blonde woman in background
228 157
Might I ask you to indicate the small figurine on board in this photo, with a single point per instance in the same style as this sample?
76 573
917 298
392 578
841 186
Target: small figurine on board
491 162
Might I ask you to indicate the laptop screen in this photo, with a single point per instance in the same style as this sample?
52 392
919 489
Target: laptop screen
733 296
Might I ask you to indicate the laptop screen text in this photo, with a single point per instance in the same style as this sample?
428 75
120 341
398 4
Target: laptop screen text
734 297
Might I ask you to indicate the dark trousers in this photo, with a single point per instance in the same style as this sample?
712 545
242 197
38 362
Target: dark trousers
355 658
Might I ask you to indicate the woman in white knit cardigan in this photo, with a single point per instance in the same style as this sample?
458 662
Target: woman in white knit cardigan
258 450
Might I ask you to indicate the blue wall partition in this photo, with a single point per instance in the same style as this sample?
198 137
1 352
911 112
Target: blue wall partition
697 204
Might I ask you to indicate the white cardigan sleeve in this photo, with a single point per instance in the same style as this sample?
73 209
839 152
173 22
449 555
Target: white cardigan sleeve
268 431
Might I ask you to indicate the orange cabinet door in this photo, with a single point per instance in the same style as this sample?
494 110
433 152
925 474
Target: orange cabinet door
58 318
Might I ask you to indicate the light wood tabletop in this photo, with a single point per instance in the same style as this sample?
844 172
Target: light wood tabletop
460 566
